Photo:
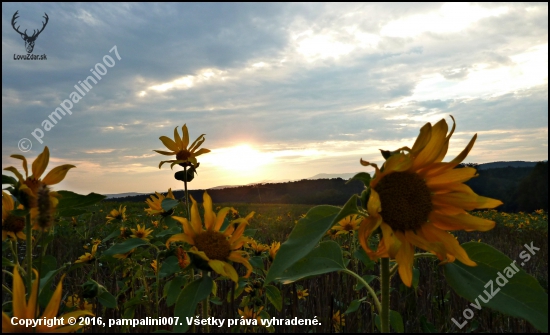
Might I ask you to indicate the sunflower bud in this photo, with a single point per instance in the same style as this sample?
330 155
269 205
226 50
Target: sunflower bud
45 218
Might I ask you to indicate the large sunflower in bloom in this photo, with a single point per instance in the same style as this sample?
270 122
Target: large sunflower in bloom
185 156
211 246
23 310
31 187
415 198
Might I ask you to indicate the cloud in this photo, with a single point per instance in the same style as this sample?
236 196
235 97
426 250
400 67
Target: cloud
309 88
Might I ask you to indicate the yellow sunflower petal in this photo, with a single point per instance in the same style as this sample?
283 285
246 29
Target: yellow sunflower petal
167 153
177 139
222 213
201 151
466 201
218 267
57 174
368 225
187 227
169 143
209 215
404 258
397 163
195 145
19 303
7 327
31 306
196 222
238 232
452 176
181 237
423 139
16 173
451 244
40 163
185 137
390 241
465 222
21 157
431 151
53 305
236 256
201 254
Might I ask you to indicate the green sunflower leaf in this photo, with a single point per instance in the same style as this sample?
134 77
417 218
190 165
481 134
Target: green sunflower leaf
498 283
8 180
361 176
274 296
304 237
167 204
188 300
327 257
125 246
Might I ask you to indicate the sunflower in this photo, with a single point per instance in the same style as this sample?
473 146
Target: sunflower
415 198
22 310
258 248
124 256
302 294
347 225
76 302
119 214
87 257
338 321
273 249
141 232
154 265
249 313
184 156
31 188
155 204
12 225
214 249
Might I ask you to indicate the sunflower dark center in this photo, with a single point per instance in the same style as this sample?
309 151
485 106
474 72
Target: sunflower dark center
348 227
13 224
183 155
214 244
405 199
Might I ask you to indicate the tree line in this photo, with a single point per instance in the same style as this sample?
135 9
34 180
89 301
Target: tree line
519 188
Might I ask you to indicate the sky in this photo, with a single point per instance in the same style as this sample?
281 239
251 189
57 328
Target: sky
281 91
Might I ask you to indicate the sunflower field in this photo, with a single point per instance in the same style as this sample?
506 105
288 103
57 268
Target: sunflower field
416 251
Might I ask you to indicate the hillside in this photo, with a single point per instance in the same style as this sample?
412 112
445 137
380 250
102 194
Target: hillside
520 188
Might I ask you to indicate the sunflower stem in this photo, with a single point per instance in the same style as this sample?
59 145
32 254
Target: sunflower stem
186 194
28 232
367 286
385 283
205 304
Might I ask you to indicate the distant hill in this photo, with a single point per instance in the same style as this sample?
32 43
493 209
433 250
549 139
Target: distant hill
514 164
521 186
121 195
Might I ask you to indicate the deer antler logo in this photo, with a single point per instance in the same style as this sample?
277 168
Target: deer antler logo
29 40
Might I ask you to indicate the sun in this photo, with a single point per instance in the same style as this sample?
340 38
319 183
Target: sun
239 158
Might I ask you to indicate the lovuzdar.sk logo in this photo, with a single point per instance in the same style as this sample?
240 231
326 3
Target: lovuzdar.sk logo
29 40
